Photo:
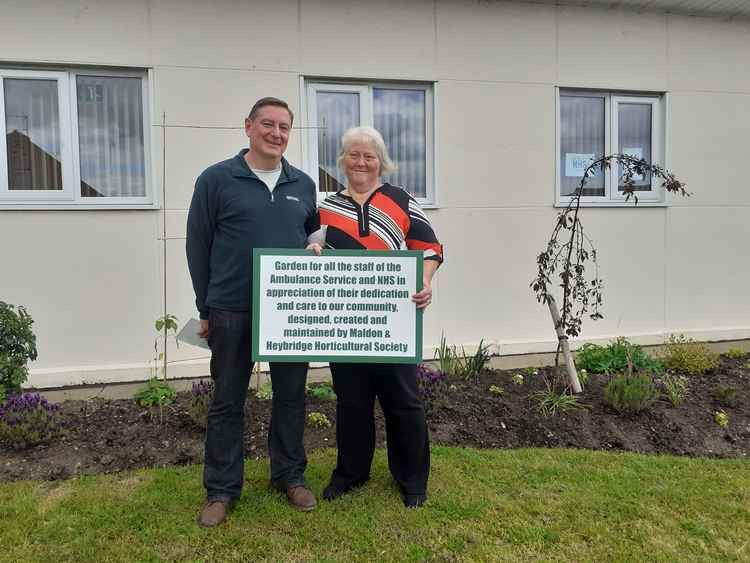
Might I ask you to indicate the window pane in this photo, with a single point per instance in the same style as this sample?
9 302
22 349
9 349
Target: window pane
634 138
581 141
32 125
337 112
400 117
110 135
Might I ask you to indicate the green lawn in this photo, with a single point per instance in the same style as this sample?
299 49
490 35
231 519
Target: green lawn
484 505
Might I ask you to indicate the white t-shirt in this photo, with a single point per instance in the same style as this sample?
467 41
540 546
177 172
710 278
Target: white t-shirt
268 177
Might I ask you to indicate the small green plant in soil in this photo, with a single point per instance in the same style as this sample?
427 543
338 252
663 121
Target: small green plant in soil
201 395
726 396
265 392
613 358
318 420
156 393
556 396
684 355
460 365
721 418
323 391
675 388
630 394
549 402
735 353
495 390
517 378
17 347
27 420
163 326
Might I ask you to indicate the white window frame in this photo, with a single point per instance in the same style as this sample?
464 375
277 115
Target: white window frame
70 196
311 86
612 196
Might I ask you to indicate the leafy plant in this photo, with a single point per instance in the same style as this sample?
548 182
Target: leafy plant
461 365
613 357
17 347
675 388
630 394
432 385
28 419
726 396
721 418
265 392
517 378
495 390
156 393
735 353
684 355
550 401
323 391
201 395
318 420
163 326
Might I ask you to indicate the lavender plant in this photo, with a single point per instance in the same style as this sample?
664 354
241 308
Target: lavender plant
28 419
432 385
570 249
201 395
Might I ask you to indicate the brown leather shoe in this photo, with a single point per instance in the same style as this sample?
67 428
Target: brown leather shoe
213 514
301 498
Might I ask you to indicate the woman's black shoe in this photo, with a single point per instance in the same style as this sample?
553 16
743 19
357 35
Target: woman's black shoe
414 501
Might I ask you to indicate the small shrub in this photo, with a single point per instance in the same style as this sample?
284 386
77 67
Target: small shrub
684 355
726 396
675 388
630 394
550 401
735 353
721 418
323 391
517 378
495 390
318 420
613 358
265 393
156 393
27 420
201 395
17 347
432 385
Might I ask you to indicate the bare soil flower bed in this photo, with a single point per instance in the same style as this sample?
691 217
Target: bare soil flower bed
103 436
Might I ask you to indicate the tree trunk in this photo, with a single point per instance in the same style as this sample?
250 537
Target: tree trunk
562 339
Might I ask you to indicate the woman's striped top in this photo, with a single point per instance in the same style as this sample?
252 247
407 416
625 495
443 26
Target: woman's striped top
390 219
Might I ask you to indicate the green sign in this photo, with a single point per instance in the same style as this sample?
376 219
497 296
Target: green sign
343 306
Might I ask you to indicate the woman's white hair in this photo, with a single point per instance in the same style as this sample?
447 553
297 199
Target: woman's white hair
371 136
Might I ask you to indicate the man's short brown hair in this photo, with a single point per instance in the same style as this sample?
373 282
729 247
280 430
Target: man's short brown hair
269 101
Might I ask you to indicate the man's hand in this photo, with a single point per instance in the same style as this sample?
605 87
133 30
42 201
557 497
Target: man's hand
204 329
315 247
424 297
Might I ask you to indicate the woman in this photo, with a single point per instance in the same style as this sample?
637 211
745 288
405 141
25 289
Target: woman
370 214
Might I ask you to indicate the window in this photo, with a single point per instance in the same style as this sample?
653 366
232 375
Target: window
592 124
401 112
73 138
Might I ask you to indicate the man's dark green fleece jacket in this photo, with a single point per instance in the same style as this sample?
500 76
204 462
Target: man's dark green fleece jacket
231 213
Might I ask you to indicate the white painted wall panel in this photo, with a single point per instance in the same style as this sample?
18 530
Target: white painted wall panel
496 41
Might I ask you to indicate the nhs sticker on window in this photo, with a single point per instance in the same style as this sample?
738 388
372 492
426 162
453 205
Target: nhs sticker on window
576 164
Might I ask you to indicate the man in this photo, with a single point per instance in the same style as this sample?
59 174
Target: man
256 199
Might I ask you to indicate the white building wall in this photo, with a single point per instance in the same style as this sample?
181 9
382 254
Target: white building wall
92 279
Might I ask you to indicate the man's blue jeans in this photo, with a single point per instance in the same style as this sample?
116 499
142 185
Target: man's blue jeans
231 366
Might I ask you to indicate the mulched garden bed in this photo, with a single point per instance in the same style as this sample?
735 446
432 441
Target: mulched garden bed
104 436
